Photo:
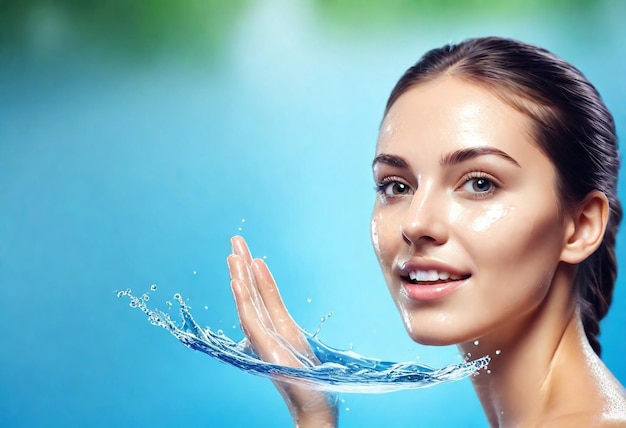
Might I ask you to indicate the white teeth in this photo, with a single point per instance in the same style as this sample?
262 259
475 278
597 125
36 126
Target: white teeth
428 275
431 275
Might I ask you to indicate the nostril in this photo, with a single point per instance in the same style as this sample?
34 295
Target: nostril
421 238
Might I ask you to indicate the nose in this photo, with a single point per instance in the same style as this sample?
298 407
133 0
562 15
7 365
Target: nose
424 221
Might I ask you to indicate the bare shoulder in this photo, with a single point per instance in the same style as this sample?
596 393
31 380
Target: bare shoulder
606 411
575 420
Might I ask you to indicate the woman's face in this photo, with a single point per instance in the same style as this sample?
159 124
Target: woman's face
466 224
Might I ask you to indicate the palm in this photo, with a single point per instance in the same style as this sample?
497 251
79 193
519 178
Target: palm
273 334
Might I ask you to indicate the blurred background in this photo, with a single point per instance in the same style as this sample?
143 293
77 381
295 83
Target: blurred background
137 137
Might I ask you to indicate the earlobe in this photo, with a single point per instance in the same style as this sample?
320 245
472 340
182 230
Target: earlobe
586 231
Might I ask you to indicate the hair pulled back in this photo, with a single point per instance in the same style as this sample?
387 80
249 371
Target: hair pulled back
572 126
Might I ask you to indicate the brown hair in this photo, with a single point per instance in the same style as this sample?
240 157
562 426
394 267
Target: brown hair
572 126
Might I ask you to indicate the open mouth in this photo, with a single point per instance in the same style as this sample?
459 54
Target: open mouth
432 277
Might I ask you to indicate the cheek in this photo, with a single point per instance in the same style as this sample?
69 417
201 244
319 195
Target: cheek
510 236
374 232
384 232
490 218
478 221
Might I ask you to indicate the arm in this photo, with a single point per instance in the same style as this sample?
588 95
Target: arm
274 336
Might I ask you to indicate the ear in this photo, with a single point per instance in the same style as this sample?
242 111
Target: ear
585 232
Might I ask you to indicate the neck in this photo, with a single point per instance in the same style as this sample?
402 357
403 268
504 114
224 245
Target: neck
530 358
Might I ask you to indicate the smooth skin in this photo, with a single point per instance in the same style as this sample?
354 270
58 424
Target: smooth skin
274 336
464 191
463 188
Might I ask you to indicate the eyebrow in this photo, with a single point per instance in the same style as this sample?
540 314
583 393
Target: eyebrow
391 160
453 158
463 155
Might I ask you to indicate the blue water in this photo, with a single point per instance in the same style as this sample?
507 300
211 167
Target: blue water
339 371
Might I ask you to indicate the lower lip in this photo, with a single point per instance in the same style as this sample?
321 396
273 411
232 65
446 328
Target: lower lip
431 291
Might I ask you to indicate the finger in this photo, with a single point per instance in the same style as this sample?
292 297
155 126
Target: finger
282 321
239 247
263 341
241 273
269 292
236 267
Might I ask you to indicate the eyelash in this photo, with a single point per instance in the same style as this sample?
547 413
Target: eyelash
475 175
385 182
382 185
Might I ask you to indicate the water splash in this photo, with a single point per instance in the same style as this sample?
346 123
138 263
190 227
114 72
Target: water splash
340 371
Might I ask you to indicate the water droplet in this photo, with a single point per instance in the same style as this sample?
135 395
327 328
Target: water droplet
476 342
194 272
488 371
243 220
498 352
220 332
469 355
239 229
153 287
351 347
134 302
145 297
308 300
347 409
177 296
206 307
168 303
121 294
264 257
234 325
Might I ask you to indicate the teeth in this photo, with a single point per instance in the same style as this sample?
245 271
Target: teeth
427 275
432 275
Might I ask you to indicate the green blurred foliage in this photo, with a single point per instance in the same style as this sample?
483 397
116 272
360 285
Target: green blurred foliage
138 29
120 27
383 12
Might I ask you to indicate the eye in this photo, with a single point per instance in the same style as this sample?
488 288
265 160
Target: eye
479 185
391 188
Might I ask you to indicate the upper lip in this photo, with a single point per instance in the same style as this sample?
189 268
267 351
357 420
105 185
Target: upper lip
421 264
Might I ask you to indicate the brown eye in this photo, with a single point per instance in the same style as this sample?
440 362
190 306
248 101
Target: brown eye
396 188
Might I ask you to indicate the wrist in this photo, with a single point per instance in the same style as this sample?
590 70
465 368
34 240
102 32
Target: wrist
326 420
318 415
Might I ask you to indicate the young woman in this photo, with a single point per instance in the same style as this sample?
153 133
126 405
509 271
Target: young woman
494 225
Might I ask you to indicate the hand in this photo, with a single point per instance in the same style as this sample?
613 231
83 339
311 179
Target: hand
274 336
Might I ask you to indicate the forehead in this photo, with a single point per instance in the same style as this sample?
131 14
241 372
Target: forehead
451 113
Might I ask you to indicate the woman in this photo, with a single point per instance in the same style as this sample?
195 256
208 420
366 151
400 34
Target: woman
494 225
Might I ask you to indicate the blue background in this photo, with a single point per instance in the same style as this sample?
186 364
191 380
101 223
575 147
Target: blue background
135 139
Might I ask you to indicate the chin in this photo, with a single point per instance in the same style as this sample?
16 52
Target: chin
436 336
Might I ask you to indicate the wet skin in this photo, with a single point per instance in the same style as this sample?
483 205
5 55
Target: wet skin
464 190
477 251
